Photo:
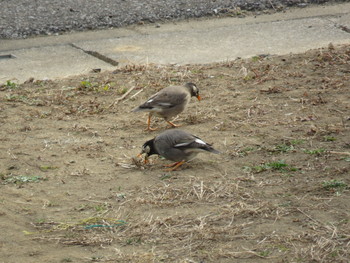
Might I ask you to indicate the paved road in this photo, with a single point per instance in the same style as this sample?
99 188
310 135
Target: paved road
205 41
23 18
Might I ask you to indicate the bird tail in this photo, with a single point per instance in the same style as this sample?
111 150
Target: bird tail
137 109
141 108
212 150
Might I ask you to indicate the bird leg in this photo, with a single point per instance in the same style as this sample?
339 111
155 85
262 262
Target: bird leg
174 166
172 124
149 124
171 165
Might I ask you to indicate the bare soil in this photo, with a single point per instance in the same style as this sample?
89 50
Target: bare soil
72 189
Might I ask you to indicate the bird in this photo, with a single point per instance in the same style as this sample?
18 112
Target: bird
176 145
169 102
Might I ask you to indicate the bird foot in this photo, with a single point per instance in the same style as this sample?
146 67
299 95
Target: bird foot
173 125
174 166
151 129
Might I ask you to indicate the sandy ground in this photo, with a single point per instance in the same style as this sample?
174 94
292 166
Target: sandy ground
72 190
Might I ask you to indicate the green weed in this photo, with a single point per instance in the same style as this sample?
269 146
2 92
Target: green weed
11 85
85 84
264 253
256 58
21 179
102 207
165 176
296 142
245 151
133 241
45 168
315 152
16 98
334 185
274 166
122 90
329 138
283 148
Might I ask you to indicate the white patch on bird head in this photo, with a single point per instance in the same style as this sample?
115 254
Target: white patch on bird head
195 89
146 149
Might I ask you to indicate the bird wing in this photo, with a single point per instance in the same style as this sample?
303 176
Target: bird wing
194 143
189 140
164 99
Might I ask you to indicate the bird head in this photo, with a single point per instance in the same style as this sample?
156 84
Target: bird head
193 90
148 149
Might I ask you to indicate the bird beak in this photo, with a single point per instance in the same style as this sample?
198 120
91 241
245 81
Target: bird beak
146 158
199 97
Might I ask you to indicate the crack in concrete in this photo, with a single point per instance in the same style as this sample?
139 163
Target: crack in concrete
97 55
339 26
344 28
7 56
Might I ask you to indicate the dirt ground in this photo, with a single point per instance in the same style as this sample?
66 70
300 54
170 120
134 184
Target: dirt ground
73 191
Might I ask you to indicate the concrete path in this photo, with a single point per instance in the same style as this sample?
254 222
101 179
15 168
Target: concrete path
204 41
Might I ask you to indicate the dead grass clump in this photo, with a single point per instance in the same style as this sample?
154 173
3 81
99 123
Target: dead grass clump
85 239
191 192
93 231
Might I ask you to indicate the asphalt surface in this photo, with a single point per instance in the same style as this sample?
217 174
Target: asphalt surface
25 18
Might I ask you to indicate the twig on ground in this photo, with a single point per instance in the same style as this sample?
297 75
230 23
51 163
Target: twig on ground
122 97
137 93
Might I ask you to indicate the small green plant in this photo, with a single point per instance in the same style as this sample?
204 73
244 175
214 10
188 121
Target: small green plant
256 58
283 148
16 98
245 151
122 90
279 165
46 168
40 220
329 138
96 258
248 77
275 166
11 85
106 87
21 179
85 84
133 241
296 142
102 207
165 176
315 152
334 185
264 253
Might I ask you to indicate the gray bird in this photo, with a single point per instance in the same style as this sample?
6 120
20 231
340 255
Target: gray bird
169 102
176 145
